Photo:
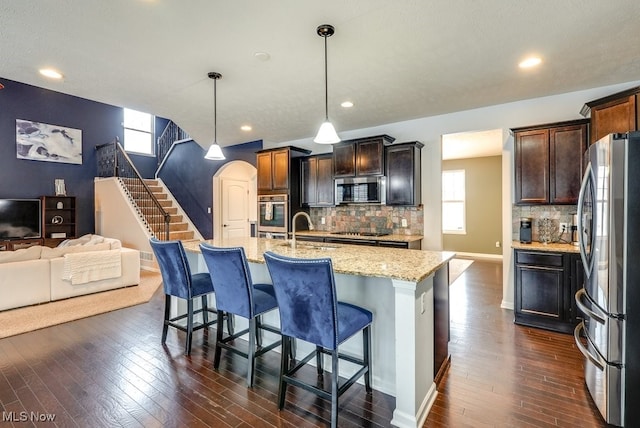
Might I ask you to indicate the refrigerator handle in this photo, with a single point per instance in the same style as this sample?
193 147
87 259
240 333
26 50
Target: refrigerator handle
596 360
583 190
599 316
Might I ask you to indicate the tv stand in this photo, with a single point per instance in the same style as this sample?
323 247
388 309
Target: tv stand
17 244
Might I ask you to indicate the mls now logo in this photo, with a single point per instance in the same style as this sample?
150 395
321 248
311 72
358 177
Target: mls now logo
27 417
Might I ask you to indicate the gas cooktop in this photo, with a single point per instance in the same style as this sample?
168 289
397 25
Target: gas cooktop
360 233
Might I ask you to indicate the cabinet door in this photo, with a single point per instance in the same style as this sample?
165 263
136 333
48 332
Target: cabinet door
577 282
532 167
344 160
567 145
309 180
614 116
539 291
369 158
400 176
264 178
280 165
324 185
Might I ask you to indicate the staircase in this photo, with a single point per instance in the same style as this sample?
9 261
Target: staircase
178 229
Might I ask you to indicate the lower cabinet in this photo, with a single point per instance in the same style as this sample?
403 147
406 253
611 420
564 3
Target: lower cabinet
545 285
413 245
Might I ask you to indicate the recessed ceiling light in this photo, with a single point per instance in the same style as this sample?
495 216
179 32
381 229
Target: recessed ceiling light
347 104
246 128
49 72
530 62
262 56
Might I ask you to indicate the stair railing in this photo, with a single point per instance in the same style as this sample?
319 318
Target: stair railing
172 133
113 161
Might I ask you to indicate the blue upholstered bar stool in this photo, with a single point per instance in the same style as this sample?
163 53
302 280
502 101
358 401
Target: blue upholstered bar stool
309 311
178 281
237 294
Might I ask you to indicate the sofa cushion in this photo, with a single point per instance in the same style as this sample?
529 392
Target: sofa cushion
90 240
31 253
78 241
52 253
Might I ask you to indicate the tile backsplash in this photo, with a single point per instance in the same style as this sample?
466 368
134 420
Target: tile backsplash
369 218
557 213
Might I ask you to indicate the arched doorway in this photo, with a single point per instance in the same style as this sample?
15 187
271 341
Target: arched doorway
234 196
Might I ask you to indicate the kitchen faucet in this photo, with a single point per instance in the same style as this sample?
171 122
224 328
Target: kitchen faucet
293 229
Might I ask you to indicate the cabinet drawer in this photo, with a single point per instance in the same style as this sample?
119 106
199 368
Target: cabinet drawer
534 258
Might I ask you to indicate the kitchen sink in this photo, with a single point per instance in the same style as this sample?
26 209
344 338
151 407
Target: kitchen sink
307 246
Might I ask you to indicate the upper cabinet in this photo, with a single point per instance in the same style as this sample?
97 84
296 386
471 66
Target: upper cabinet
614 113
317 181
278 169
549 162
360 157
403 173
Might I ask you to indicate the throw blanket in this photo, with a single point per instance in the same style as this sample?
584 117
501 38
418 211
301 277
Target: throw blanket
80 268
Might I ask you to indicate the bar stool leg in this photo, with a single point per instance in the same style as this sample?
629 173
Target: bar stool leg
219 333
187 347
251 352
284 369
334 388
167 314
366 348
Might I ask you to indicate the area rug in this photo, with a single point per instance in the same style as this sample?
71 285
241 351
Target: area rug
456 267
22 320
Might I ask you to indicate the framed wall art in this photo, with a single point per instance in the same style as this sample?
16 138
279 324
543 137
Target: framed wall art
51 143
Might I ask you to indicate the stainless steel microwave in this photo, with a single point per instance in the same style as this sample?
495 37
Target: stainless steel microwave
361 190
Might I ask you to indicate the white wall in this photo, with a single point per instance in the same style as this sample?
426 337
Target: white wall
429 130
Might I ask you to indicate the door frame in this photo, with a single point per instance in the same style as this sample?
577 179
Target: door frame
237 170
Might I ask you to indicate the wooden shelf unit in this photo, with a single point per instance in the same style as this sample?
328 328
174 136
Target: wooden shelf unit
58 218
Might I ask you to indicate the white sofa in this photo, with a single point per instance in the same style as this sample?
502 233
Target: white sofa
40 274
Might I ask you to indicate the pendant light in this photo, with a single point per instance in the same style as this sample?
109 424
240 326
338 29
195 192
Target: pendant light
214 152
327 133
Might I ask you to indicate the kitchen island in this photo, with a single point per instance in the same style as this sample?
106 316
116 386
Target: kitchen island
396 285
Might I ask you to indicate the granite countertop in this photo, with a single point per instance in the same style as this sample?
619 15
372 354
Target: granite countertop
539 246
402 264
327 234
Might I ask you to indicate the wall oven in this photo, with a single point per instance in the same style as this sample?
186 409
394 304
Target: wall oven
273 215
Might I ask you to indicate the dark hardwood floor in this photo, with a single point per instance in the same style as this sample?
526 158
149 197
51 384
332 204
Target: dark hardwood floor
110 370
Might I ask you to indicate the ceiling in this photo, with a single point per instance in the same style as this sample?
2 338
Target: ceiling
472 144
395 60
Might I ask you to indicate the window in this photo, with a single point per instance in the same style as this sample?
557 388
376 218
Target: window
453 202
138 132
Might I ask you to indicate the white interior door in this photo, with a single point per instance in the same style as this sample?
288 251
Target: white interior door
235 208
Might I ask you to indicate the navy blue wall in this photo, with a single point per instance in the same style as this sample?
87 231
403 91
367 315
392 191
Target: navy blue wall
189 176
20 178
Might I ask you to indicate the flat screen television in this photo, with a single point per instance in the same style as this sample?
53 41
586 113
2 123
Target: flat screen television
20 218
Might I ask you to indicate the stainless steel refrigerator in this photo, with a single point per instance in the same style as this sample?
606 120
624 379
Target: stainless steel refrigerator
609 237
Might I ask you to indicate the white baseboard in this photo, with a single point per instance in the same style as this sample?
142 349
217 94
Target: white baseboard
478 256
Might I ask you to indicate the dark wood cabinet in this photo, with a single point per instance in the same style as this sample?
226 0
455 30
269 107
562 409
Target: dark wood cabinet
617 113
18 244
360 157
413 245
403 163
58 219
544 284
317 181
549 162
279 169
273 170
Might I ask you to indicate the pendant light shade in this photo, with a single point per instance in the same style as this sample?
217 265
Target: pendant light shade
327 133
215 152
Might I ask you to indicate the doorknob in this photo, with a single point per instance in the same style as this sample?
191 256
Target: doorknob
224 225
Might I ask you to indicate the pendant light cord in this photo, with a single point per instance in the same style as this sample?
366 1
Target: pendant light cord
326 82
215 111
